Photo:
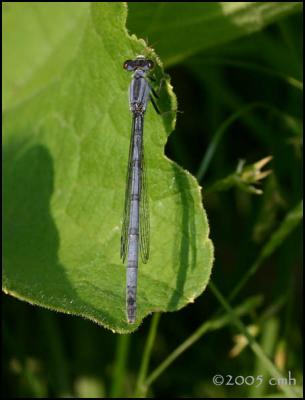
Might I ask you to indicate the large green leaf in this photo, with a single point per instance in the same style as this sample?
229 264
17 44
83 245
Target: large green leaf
66 139
179 30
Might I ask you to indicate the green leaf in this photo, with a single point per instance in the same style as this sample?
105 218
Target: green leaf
179 30
66 140
39 42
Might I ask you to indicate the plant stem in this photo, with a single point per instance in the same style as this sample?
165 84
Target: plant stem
122 349
219 321
140 387
292 219
212 324
56 355
268 342
218 136
270 367
290 80
208 155
36 387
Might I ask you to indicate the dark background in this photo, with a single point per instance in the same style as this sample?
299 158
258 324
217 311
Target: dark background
46 354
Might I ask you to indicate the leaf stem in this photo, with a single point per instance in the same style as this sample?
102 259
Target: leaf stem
290 80
121 356
220 321
225 125
56 354
292 219
140 386
211 325
270 367
218 136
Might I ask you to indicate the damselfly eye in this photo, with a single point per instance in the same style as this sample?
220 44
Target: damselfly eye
150 64
128 64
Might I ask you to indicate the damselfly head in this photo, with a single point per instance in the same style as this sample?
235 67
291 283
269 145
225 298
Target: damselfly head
140 62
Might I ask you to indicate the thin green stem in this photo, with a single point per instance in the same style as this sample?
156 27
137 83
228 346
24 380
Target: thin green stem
56 355
269 366
140 386
269 338
219 321
290 80
123 342
218 136
211 325
36 387
206 160
292 219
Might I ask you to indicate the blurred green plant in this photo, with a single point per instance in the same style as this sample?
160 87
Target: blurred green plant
214 23
245 177
241 97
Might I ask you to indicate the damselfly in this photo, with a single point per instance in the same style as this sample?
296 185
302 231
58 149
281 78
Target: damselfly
135 229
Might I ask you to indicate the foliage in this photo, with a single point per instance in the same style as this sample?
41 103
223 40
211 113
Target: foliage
66 148
236 71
